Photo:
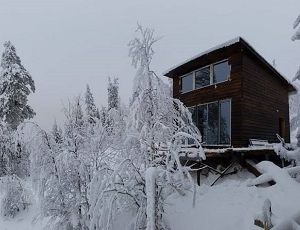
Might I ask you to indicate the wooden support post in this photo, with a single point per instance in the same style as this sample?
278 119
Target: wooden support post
282 163
198 176
223 173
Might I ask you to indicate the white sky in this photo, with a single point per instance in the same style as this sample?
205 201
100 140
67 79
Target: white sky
68 43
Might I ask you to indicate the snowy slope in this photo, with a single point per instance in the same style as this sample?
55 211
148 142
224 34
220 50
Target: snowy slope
230 204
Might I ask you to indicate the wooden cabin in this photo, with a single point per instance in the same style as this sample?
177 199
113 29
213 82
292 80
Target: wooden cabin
234 95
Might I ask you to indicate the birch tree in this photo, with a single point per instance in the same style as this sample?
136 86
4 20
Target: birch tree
158 129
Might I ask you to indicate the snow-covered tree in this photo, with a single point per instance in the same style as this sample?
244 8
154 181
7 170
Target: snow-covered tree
14 155
57 133
15 86
6 149
14 171
113 93
92 112
295 37
50 178
158 129
103 115
20 159
162 127
154 115
77 162
113 118
60 170
294 100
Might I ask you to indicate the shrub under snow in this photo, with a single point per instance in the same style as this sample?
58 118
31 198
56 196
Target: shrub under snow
15 196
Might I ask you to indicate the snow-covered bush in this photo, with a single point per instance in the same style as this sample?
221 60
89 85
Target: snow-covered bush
15 196
289 155
67 164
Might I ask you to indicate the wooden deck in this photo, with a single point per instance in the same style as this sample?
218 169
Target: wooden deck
246 151
229 157
234 152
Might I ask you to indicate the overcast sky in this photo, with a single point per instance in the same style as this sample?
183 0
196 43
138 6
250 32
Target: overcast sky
66 44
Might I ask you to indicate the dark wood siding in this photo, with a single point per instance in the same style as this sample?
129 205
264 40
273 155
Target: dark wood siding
259 96
226 90
264 102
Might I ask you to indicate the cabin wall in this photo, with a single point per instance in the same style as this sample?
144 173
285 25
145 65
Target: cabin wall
259 99
226 90
264 102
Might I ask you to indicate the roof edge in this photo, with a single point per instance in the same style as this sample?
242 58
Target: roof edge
229 43
269 65
217 47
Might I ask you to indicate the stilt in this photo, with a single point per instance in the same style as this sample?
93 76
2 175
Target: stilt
198 177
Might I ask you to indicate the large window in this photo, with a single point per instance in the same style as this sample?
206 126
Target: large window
212 74
213 121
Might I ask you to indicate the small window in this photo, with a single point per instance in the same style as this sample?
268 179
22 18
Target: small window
221 72
187 83
202 77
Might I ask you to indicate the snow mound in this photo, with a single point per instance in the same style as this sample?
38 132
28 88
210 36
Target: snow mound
232 204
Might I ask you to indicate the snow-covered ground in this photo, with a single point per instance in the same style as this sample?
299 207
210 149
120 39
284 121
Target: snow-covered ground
230 204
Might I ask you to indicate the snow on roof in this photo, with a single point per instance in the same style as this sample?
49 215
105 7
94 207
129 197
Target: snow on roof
225 44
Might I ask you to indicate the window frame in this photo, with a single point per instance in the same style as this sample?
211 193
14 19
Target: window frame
230 121
219 117
210 76
193 82
212 69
